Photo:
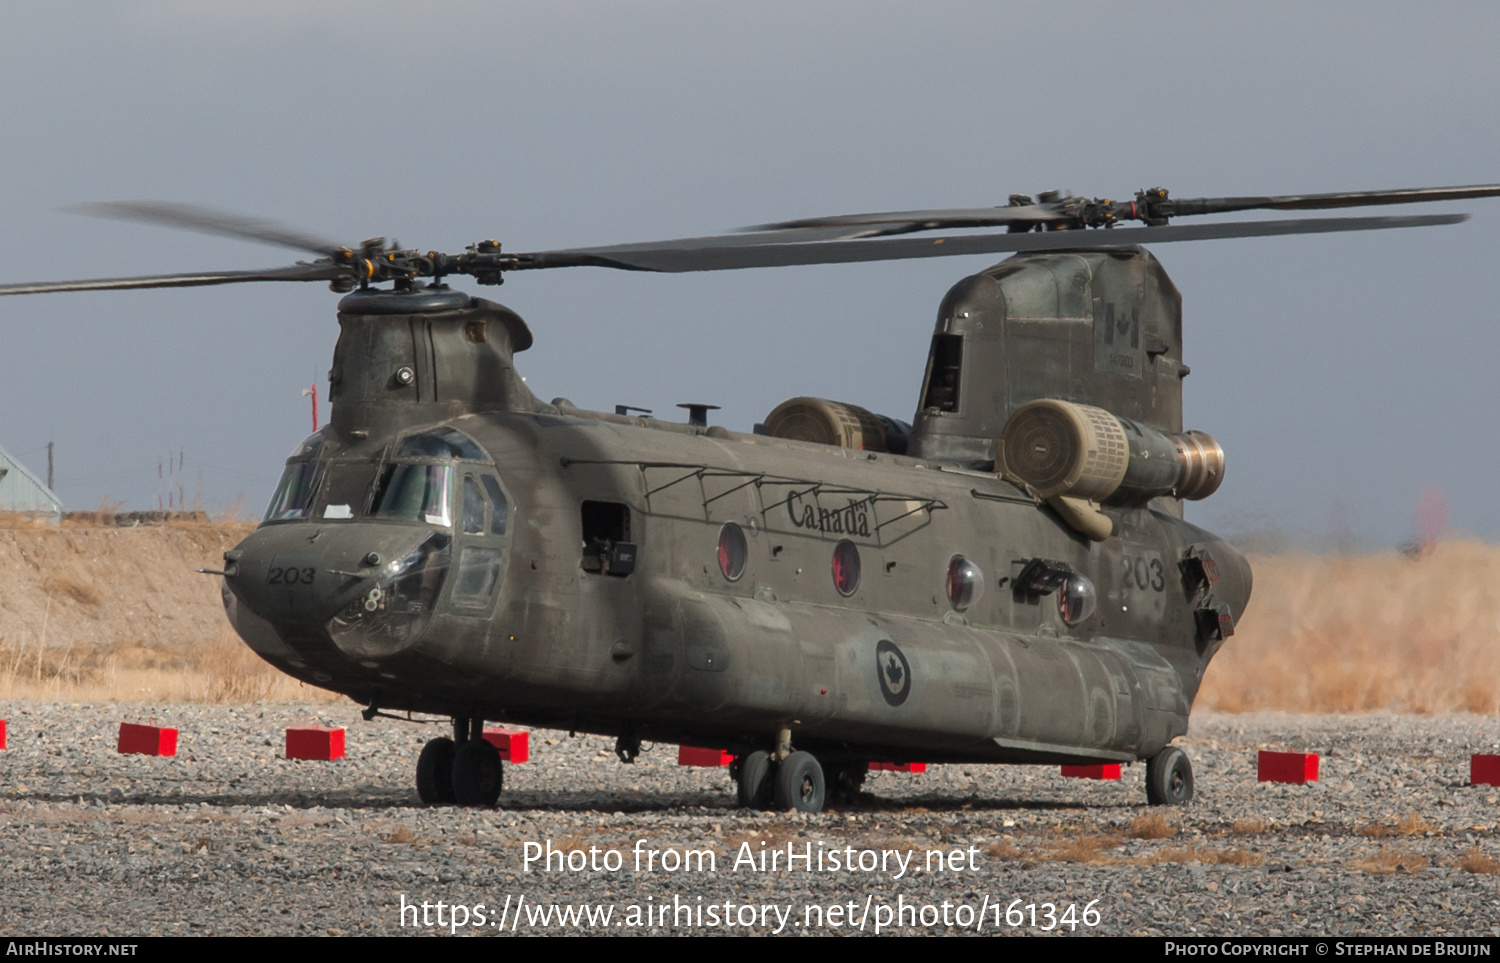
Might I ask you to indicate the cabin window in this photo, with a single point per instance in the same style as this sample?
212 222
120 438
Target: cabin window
965 583
607 546
846 567
733 551
1076 599
415 493
944 366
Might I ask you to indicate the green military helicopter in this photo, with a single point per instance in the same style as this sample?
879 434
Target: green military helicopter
1008 578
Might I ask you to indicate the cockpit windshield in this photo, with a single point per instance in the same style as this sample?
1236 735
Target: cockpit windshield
411 489
415 493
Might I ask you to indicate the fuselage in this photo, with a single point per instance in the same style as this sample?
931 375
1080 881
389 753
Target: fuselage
519 603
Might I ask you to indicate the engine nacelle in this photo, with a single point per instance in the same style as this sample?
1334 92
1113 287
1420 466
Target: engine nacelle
1060 449
835 423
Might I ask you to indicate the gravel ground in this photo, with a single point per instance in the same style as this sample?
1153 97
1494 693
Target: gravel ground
228 838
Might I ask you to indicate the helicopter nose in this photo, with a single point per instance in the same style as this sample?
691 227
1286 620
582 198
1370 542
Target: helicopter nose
368 588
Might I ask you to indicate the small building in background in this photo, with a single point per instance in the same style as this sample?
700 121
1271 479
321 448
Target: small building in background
21 491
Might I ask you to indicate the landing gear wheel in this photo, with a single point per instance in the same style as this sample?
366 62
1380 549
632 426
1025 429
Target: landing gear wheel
477 776
799 783
754 783
1169 778
435 772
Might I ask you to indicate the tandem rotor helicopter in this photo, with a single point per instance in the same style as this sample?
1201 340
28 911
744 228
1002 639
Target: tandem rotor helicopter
1008 578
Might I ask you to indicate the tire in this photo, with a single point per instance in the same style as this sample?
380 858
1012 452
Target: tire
799 784
435 772
754 785
1169 778
477 776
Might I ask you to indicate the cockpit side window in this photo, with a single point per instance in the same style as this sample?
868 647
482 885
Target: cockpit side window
500 508
944 366
473 508
295 492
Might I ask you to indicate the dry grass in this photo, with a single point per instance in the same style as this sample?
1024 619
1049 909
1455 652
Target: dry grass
1475 861
1092 848
1249 827
1412 825
402 835
1150 826
1360 633
80 591
224 670
1392 861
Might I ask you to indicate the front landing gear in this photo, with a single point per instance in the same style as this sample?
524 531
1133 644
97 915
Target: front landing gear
1169 778
465 770
435 772
477 776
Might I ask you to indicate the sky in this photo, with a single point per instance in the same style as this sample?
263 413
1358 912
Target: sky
1347 376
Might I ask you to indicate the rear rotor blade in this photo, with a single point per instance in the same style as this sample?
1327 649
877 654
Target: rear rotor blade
297 272
208 221
906 222
676 257
1315 202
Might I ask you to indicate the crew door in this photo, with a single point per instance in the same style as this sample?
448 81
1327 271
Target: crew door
484 513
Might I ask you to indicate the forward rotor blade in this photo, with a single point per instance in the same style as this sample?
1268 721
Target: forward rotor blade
698 256
208 221
297 272
1315 202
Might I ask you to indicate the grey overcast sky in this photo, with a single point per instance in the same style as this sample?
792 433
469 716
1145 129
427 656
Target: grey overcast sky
1345 375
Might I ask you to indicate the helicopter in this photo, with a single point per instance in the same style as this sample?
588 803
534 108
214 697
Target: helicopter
1006 578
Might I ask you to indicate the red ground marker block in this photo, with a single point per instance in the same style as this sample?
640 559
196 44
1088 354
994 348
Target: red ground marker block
514 745
147 740
2 733
1109 770
697 756
1484 770
1293 767
898 767
317 742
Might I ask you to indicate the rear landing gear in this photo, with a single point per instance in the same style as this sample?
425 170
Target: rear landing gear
755 781
1169 778
799 784
795 783
465 770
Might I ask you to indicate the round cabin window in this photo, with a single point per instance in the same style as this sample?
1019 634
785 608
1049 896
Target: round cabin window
845 567
1077 600
732 551
965 583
